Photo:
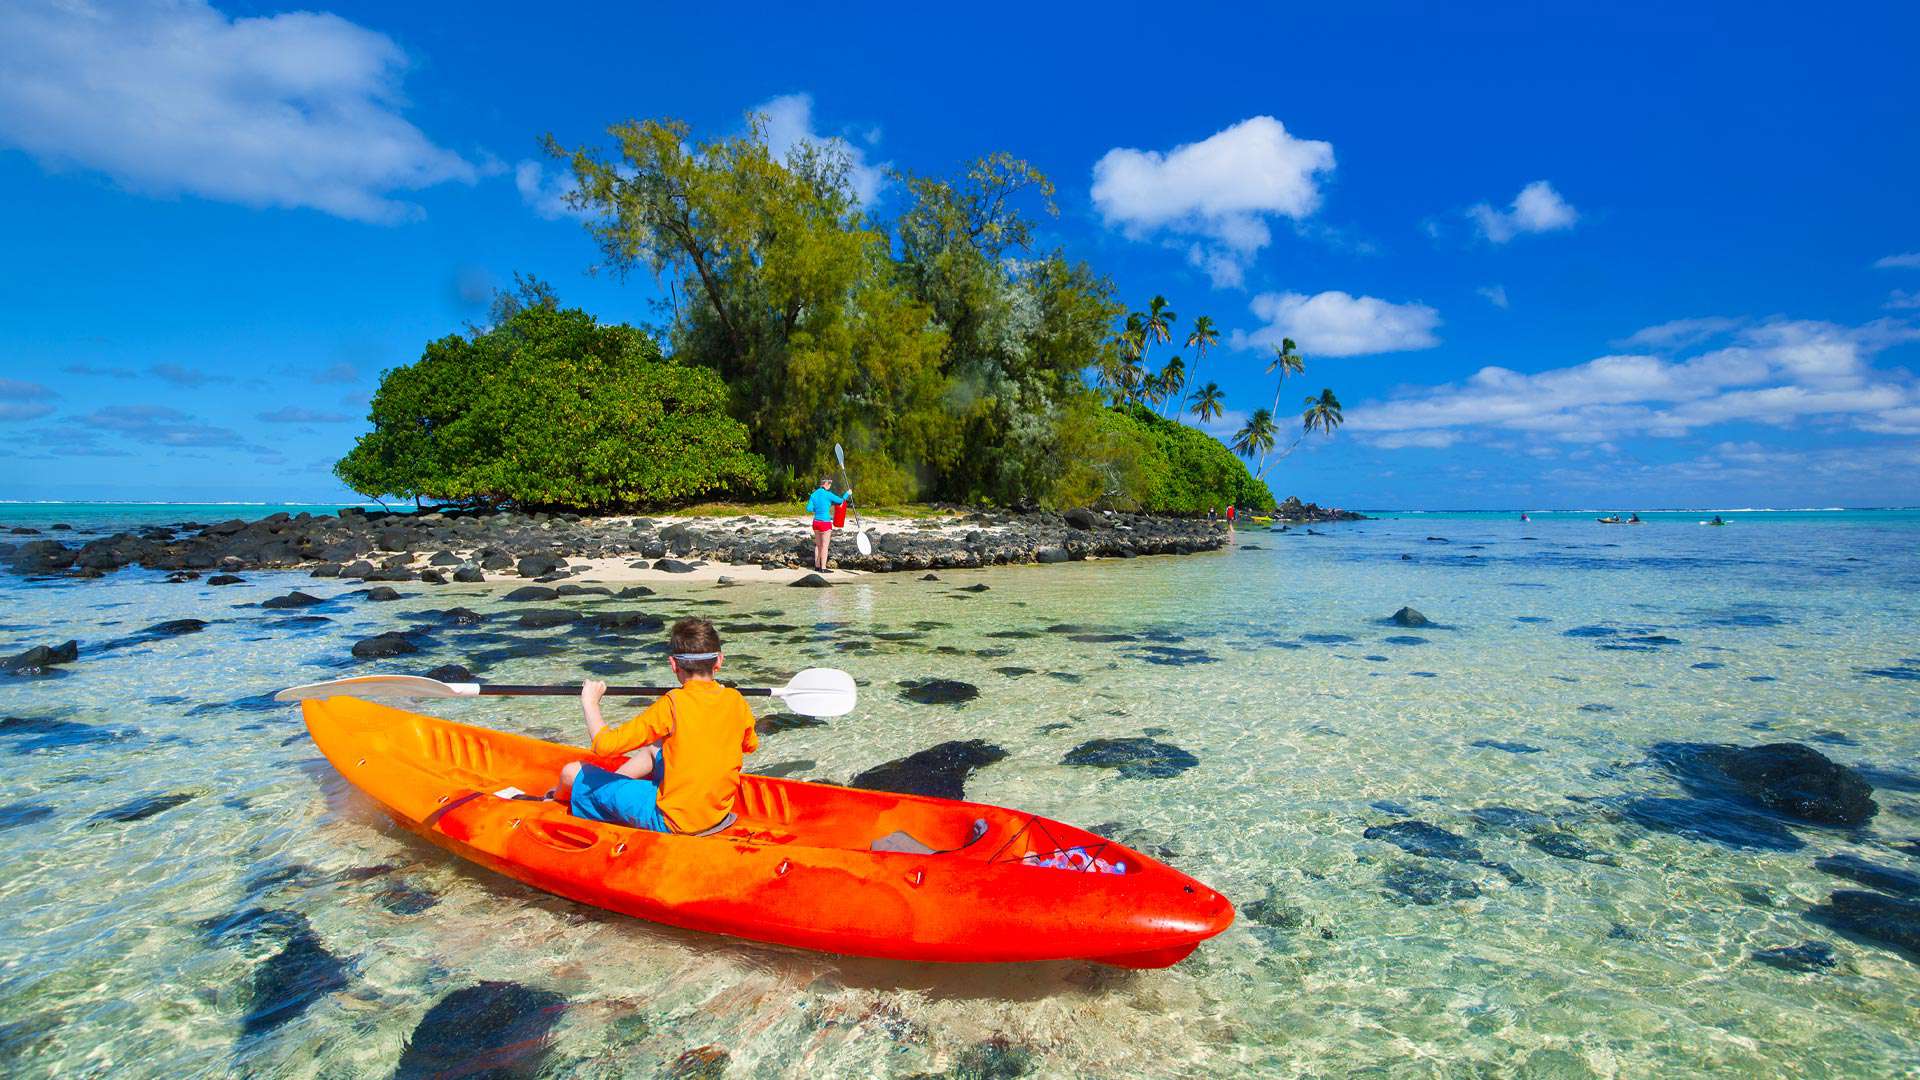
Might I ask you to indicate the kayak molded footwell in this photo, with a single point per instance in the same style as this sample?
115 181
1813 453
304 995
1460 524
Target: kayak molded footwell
796 868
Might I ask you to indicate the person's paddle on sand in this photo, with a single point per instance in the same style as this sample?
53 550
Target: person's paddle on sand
820 504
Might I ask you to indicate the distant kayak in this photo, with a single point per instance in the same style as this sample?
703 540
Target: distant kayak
953 881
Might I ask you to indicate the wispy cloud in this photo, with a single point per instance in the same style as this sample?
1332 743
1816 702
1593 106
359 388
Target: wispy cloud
293 414
1335 323
1679 334
1495 294
1779 372
180 375
94 371
1909 260
1903 300
1221 192
1537 209
336 374
300 109
24 400
158 425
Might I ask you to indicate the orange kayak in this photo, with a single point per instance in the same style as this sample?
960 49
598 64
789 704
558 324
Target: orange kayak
797 866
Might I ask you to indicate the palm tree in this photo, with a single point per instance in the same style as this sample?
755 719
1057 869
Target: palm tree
1323 412
1286 362
1256 438
1206 402
1172 379
1158 322
1203 337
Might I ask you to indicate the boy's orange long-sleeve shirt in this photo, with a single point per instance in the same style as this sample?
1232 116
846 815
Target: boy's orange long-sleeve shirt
704 730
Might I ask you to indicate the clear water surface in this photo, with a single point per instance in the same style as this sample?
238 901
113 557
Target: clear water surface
262 917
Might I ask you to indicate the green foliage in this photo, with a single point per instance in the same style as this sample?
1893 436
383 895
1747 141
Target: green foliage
550 408
1131 458
781 287
947 356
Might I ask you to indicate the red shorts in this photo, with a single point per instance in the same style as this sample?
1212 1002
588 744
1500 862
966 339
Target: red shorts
823 526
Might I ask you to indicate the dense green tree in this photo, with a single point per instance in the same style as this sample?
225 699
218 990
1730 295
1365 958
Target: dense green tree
1019 330
779 284
550 408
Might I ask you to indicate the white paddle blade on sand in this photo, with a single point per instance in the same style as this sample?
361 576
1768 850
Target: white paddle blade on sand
393 686
820 692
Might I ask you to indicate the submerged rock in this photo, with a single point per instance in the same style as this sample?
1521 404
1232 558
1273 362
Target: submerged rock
41 658
811 581
381 593
530 594
1509 747
938 691
1408 617
939 771
547 617
1810 956
31 734
493 1029
1887 879
294 599
1426 886
381 646
16 815
1873 917
289 981
141 809
1711 819
785 721
456 673
1789 779
1135 757
1430 841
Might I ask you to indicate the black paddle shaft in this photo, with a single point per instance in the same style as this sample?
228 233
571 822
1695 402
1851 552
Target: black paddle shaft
509 690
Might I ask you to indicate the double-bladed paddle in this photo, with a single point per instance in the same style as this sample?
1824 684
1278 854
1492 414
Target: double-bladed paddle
813 692
859 531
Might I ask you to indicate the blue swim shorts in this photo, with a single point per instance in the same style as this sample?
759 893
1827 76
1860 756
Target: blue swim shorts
599 795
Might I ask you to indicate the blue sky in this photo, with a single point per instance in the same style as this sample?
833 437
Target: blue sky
1625 255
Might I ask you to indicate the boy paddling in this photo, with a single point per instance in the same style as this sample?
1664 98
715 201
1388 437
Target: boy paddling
688 775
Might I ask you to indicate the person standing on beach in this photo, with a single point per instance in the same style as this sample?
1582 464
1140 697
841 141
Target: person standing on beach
820 504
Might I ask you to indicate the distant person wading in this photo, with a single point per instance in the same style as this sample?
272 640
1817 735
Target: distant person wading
820 504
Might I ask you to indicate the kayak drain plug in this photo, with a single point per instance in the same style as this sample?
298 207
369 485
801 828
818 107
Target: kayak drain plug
914 879
781 870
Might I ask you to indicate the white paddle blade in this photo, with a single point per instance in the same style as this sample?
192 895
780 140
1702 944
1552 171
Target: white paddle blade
840 456
820 692
860 541
394 686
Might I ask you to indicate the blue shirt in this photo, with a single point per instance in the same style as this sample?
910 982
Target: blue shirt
822 502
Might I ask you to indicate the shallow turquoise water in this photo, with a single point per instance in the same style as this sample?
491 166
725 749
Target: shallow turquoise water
1634 961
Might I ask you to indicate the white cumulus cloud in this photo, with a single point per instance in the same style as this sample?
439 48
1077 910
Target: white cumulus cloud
1537 209
789 120
1780 372
172 97
1334 323
1221 191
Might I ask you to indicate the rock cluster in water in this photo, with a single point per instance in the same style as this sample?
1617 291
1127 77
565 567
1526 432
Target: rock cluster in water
379 546
1294 511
